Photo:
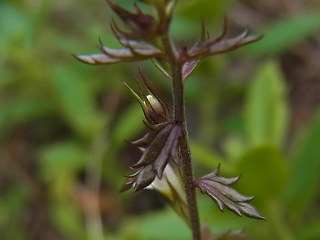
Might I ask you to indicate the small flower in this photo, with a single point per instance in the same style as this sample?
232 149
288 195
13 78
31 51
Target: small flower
158 167
172 189
159 147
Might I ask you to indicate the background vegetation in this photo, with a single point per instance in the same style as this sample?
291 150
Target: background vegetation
62 123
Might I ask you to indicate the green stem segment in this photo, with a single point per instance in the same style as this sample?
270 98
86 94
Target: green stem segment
179 118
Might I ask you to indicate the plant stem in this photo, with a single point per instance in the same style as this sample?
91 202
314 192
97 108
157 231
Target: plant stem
179 118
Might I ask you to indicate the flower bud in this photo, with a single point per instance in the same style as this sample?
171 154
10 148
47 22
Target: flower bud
155 104
154 110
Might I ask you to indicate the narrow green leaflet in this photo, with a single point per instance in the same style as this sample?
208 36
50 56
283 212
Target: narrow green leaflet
266 108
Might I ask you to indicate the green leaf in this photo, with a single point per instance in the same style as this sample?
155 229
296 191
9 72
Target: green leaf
195 9
208 158
61 159
266 113
164 223
77 102
13 205
128 125
264 172
310 232
157 226
14 25
68 219
234 147
285 34
21 110
304 178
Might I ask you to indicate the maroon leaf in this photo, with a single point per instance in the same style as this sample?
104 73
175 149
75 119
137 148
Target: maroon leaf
145 178
219 190
122 53
219 44
127 185
166 152
97 58
130 181
153 150
145 140
159 148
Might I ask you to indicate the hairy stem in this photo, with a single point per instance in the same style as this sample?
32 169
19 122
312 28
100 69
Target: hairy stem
179 118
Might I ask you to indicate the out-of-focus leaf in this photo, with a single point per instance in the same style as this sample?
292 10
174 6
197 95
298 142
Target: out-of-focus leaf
304 178
13 25
207 157
264 172
194 9
233 147
67 218
167 223
188 14
128 125
61 159
266 113
311 231
22 110
12 207
12 204
77 102
286 34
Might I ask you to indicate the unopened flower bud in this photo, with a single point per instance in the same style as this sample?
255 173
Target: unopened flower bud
155 104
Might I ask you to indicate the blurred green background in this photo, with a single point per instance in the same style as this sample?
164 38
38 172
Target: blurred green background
63 123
